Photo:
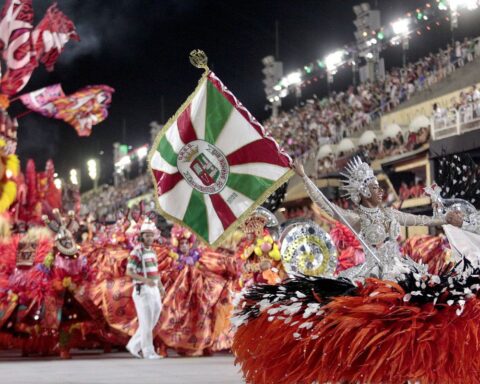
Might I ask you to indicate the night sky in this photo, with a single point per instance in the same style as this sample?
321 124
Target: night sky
140 48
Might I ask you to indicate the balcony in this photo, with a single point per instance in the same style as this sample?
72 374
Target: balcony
456 121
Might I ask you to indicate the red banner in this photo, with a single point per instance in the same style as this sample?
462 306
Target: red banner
51 35
16 45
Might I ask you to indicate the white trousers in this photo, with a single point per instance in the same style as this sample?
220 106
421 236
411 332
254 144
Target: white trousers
148 306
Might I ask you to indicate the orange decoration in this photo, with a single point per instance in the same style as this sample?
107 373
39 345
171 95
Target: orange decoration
4 101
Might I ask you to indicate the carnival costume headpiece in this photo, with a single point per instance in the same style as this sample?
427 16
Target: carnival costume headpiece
358 176
259 219
64 229
179 233
27 246
148 226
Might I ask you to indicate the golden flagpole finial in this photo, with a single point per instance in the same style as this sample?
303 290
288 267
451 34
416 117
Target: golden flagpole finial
199 59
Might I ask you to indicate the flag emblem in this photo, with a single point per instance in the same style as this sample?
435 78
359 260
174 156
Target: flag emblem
203 166
213 163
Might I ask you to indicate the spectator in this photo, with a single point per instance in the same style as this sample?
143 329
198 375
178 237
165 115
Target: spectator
404 192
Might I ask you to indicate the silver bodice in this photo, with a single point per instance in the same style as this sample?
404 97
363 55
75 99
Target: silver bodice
377 225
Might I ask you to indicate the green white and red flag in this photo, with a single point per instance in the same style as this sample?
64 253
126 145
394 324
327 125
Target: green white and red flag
213 163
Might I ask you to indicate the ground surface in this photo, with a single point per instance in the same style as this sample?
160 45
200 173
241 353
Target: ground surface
117 368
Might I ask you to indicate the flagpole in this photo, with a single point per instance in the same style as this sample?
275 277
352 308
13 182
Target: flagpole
17 98
23 114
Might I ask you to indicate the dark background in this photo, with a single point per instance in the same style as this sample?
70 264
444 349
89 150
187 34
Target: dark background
140 48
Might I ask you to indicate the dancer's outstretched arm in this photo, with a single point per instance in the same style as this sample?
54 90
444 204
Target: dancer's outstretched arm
319 198
408 219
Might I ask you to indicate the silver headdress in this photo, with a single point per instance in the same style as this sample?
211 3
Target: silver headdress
358 175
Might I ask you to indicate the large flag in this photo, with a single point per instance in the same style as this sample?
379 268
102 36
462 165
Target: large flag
51 35
16 45
213 163
82 109
40 101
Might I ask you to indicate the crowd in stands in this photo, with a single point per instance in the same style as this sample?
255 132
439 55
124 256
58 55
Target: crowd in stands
328 120
104 201
377 149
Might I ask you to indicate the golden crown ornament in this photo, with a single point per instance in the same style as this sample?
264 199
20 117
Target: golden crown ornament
192 153
199 59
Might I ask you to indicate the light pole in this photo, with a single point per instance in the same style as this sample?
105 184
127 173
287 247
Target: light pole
273 72
332 62
401 29
93 171
367 23
454 6
58 183
75 177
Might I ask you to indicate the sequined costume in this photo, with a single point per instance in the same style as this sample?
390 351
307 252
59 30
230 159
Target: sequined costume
258 251
379 227
407 326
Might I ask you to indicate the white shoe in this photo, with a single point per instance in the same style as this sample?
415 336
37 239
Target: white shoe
132 352
153 356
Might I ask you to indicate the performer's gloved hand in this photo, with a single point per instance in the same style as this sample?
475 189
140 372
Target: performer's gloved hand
454 218
298 168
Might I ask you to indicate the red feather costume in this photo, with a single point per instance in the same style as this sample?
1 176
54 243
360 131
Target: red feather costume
430 250
318 330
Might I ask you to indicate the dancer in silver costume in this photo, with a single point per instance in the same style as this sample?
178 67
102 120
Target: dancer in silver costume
377 226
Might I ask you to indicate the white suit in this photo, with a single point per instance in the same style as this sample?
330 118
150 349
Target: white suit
148 306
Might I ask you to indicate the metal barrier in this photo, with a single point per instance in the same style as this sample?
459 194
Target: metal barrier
456 122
